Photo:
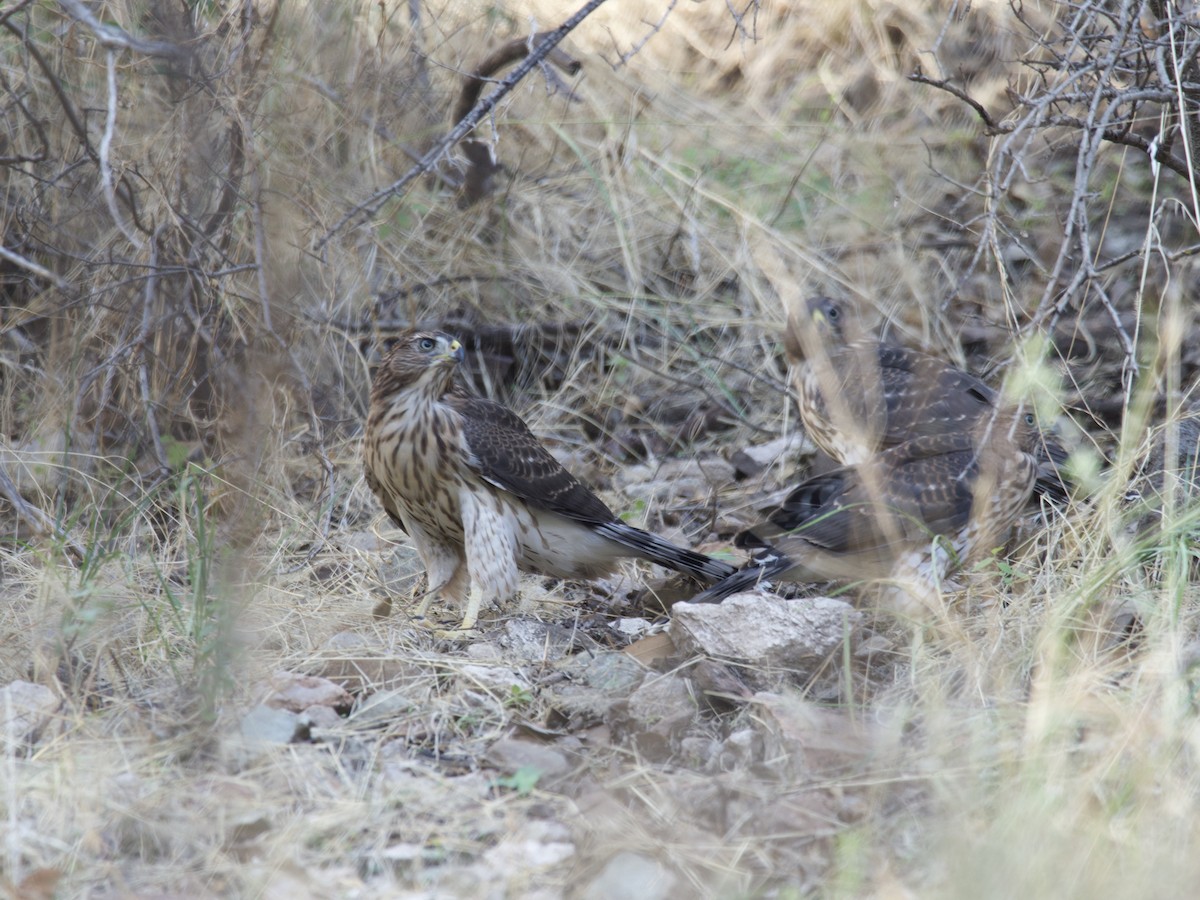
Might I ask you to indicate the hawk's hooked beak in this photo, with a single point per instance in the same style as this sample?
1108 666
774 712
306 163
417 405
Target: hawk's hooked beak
454 352
818 318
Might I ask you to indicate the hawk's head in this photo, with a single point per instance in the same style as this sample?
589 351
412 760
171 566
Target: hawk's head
820 321
1014 427
425 359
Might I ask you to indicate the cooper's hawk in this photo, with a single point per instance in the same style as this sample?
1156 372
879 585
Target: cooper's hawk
910 513
858 395
479 495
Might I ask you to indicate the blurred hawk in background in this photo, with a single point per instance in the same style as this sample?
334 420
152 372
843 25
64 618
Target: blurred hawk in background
479 495
910 513
858 395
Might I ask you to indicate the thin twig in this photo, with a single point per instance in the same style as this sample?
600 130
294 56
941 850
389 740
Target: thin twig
991 126
28 264
654 29
55 85
140 341
8 14
110 124
113 38
36 518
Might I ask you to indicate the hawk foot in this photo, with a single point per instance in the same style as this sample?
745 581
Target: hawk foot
466 629
457 634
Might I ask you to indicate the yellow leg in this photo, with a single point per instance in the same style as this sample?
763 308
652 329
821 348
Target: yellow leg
423 606
474 602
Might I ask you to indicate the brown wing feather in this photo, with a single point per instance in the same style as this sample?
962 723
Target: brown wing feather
505 453
925 395
854 522
925 484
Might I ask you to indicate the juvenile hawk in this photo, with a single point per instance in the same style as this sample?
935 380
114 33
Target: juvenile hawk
858 395
912 512
479 495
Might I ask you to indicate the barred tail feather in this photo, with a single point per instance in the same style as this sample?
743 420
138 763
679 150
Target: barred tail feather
653 548
757 574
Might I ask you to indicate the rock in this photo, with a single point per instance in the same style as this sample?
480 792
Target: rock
610 671
510 754
821 742
484 650
381 709
741 749
763 629
267 725
535 845
590 685
499 680
699 753
719 685
25 709
296 693
322 717
526 639
632 875
876 644
655 717
653 649
631 627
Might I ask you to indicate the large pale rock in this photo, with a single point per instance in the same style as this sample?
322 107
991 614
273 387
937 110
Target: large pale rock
763 629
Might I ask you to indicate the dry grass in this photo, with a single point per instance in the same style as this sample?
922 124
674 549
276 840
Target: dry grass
185 410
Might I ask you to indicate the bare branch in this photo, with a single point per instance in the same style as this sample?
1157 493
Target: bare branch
48 70
36 518
106 179
112 38
373 203
654 29
991 126
28 264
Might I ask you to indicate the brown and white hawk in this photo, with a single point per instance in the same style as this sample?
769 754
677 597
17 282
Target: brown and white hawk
858 395
479 495
911 513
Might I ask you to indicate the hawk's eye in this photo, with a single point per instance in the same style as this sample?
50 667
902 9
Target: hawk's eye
1030 420
426 344
833 313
